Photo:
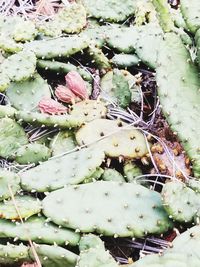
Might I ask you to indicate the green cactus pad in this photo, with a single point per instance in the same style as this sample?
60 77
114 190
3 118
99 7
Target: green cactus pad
131 171
12 255
26 95
109 10
99 207
9 45
60 171
97 56
176 68
112 175
26 205
7 111
62 142
125 60
54 256
12 136
8 181
191 14
32 153
41 119
129 143
111 93
59 47
96 175
89 110
20 66
62 68
180 202
90 241
38 230
4 82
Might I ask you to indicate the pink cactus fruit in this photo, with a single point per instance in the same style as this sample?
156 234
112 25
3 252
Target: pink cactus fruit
50 106
64 94
76 84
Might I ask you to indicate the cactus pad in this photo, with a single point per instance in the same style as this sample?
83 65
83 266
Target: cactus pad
125 60
26 205
12 136
131 171
8 179
26 95
38 230
112 175
58 172
129 143
140 208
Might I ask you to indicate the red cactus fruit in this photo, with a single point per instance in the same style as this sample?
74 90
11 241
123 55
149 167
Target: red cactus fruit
50 106
65 94
76 84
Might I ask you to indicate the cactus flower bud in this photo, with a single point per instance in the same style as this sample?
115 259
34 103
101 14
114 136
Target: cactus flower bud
76 84
50 106
65 94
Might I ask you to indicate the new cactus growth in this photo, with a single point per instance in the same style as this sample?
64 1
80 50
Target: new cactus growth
26 205
140 208
112 175
131 171
38 229
26 95
98 57
114 140
58 172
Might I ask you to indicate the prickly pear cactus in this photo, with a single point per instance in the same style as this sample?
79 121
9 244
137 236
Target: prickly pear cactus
114 140
93 253
89 110
10 254
62 142
12 136
26 205
27 94
20 66
112 175
109 10
140 208
32 153
191 14
7 111
185 79
8 181
59 47
131 171
125 60
113 85
180 202
97 56
60 171
38 229
54 256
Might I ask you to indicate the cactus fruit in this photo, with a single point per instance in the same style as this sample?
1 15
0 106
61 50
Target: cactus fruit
112 175
56 48
51 106
186 78
63 68
26 205
76 84
20 66
54 256
32 153
60 171
108 90
93 253
12 136
27 94
116 142
140 208
64 94
12 255
8 179
89 110
41 119
180 202
125 60
97 56
190 11
109 10
131 171
39 230
62 142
